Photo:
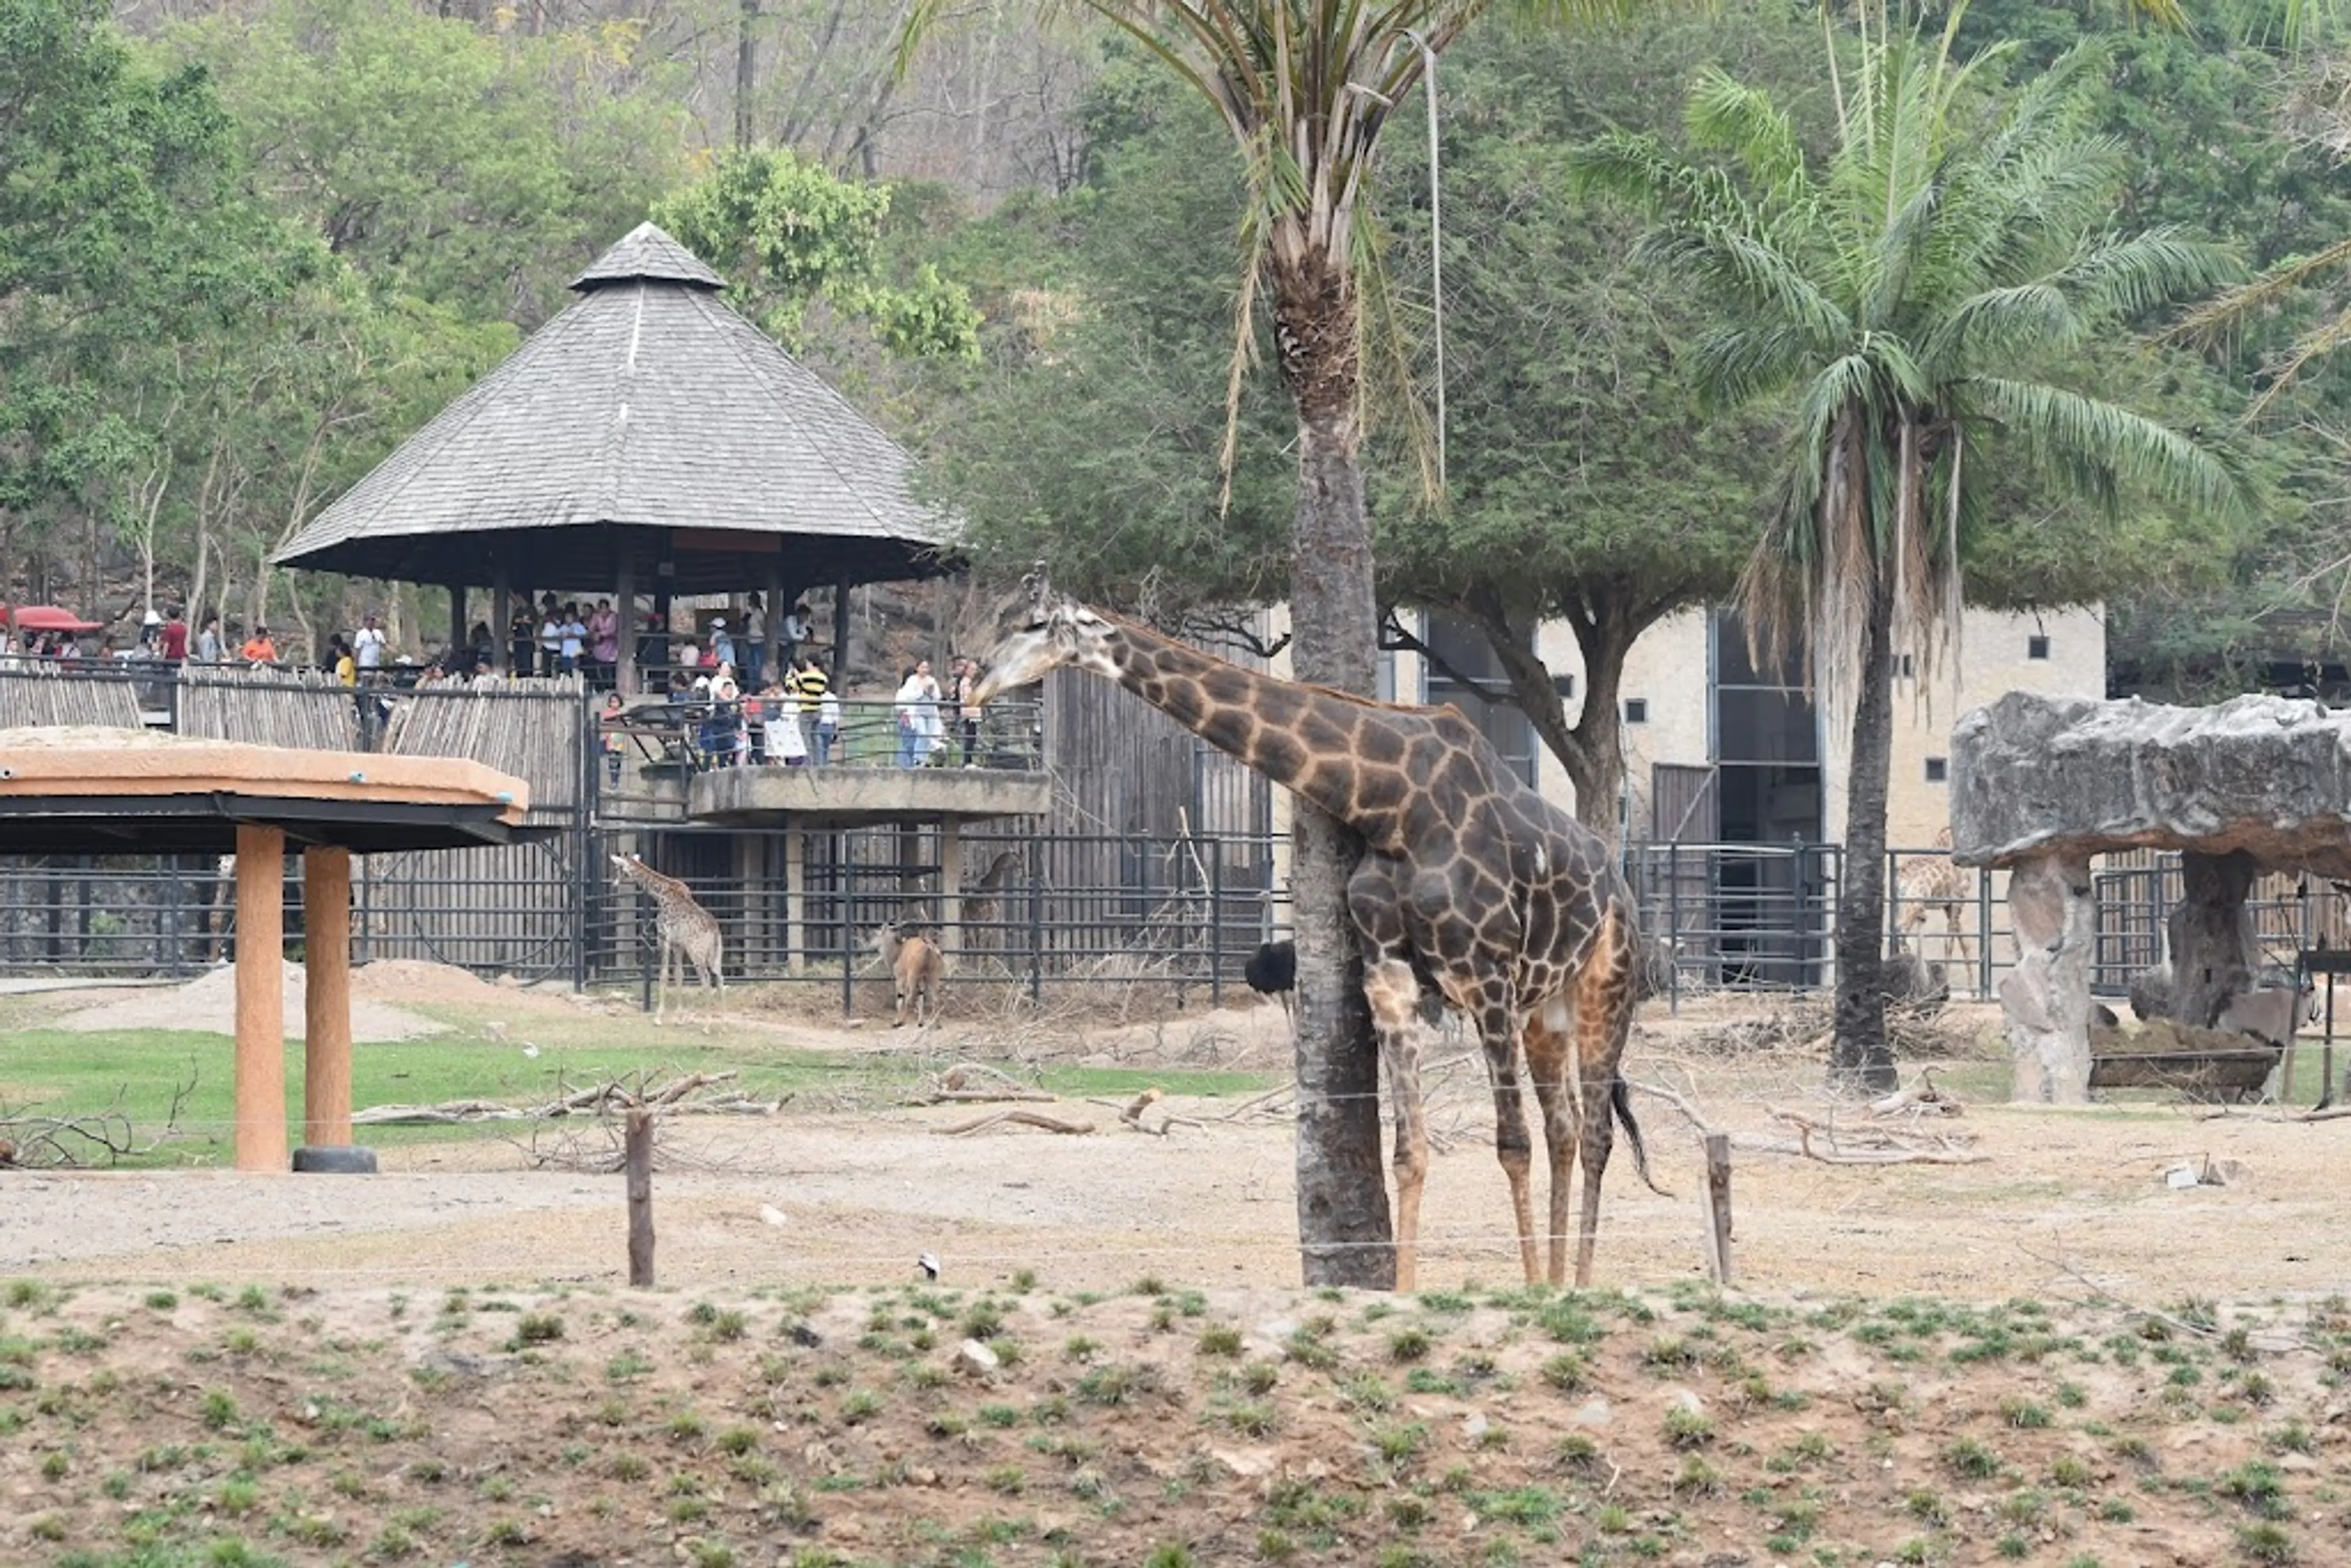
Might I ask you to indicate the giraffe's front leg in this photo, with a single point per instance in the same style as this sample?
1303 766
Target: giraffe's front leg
1393 990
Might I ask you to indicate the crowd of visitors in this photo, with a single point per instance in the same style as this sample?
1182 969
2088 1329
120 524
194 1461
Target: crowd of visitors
735 712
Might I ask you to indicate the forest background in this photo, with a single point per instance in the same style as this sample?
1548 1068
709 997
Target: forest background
247 247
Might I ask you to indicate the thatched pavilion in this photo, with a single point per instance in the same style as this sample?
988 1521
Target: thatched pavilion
648 438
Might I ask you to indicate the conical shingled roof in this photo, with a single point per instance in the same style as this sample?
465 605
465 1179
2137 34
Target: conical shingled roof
646 405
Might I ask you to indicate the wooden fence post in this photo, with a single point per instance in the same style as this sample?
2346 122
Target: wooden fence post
1718 1206
640 1167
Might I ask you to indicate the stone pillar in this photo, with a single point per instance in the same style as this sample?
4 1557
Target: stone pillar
2213 950
260 1133
753 935
2044 1002
951 887
327 997
795 897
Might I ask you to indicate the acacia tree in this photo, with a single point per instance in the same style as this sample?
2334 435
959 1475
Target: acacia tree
1916 291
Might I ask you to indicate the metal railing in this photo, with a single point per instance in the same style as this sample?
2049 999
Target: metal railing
687 735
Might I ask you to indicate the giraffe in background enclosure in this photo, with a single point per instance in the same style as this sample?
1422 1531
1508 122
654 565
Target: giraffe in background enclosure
1929 881
685 929
1471 884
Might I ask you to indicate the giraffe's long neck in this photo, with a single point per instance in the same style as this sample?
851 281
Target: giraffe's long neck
1302 738
664 889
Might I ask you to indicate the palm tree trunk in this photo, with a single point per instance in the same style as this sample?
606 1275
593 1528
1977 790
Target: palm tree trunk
1860 1058
1343 1232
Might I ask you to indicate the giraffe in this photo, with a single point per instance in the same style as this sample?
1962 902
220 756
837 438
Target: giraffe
687 931
1471 885
1929 881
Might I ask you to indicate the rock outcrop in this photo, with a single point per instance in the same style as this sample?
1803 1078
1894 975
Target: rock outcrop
2267 777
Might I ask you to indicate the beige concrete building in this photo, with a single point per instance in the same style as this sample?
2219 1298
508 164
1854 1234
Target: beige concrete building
1716 751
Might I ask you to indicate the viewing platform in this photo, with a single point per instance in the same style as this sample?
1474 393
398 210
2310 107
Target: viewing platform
861 797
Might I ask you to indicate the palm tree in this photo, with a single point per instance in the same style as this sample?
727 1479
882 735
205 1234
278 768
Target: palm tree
1306 88
1913 288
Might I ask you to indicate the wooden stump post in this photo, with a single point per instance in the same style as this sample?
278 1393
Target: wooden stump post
260 1132
1718 1207
640 1167
327 996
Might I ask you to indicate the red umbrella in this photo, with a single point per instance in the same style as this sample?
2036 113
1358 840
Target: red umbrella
50 618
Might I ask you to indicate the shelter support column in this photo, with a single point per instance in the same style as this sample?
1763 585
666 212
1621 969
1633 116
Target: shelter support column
772 622
841 630
460 646
951 887
795 897
260 1133
627 596
327 997
501 619
2044 1002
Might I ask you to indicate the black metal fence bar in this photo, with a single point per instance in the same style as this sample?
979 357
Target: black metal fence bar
1089 909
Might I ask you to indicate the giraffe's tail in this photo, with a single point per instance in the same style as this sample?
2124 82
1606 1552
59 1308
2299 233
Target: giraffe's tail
1620 1097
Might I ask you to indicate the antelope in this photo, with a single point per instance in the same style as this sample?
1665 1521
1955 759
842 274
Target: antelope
917 969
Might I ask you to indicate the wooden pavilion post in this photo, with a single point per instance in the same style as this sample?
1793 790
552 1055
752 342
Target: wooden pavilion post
840 634
502 612
774 620
260 1132
461 647
627 594
327 996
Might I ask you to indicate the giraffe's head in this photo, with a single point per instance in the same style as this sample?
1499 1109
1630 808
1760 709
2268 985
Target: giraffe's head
1046 631
622 864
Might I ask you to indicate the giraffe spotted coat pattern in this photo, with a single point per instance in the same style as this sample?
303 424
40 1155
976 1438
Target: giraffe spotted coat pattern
1471 884
688 933
1929 883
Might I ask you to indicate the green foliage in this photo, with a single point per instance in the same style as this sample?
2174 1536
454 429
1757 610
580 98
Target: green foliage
788 234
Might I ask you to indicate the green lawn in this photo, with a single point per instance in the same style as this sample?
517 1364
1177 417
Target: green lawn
137 1071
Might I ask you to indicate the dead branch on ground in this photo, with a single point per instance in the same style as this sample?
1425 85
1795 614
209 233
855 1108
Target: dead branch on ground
31 1141
1023 1118
1870 1145
688 1094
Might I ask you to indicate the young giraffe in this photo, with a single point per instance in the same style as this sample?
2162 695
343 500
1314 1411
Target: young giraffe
1931 882
1470 882
687 932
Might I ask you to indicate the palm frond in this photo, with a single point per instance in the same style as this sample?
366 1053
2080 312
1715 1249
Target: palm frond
1747 264
1726 113
2103 447
2261 294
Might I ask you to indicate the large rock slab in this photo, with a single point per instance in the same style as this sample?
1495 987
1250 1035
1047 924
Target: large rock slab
2038 775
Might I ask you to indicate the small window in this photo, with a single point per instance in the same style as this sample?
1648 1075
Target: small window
1905 666
1637 710
1939 769
2036 647
1564 686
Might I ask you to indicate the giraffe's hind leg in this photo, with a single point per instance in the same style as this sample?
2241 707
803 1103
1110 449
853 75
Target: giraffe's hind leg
1497 1021
1603 1022
1550 1063
1392 989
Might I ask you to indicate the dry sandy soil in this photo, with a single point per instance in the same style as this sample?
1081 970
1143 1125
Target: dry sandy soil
2074 1393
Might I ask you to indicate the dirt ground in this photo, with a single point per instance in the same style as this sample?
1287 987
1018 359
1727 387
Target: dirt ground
1843 1408
2059 1199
